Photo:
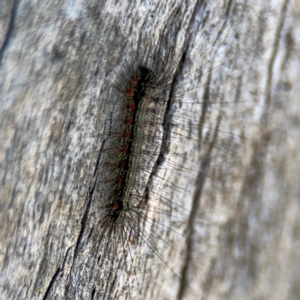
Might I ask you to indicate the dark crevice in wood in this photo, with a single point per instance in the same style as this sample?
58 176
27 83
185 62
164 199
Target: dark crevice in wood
237 96
205 104
166 121
228 8
274 53
65 259
53 279
90 196
98 163
9 29
83 223
93 293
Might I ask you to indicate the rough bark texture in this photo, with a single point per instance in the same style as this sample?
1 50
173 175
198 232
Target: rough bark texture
58 60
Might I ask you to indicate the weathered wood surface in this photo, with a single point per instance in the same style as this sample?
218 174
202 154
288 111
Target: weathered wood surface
57 62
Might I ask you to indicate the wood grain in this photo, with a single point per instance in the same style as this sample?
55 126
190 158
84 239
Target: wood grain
58 60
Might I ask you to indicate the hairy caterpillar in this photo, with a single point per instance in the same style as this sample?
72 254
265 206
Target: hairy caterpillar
142 203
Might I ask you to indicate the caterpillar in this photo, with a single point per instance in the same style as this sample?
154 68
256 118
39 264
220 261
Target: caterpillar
130 154
143 205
